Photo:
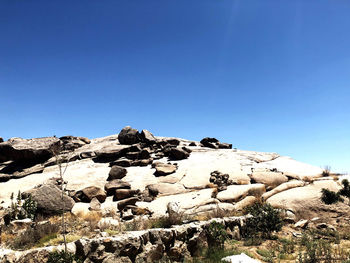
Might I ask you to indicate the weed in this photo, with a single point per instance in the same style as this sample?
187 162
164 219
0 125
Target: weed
62 257
216 235
264 221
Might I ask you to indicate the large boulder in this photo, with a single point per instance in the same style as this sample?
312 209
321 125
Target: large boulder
121 194
235 193
177 153
71 143
1 139
283 187
113 185
214 143
269 179
91 192
147 137
129 136
306 200
49 199
164 168
116 172
113 152
35 150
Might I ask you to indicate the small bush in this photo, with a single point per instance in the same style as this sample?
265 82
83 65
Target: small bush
22 208
216 234
32 235
330 197
62 257
264 221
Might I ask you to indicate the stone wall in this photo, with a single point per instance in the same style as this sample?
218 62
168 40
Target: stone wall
149 245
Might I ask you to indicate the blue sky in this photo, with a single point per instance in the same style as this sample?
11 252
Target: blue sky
263 75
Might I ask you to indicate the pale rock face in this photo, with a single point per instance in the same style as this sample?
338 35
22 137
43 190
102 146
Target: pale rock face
269 179
292 168
283 187
303 199
245 202
167 189
236 192
197 168
185 201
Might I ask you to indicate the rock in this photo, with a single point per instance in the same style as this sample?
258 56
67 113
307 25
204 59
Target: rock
93 192
223 145
32 151
113 152
165 189
151 253
163 169
269 179
325 225
1 140
192 144
172 141
304 200
129 201
127 214
95 205
209 142
16 171
70 143
144 154
121 194
236 192
177 154
48 198
116 259
123 162
239 258
283 187
245 202
129 136
301 224
178 252
148 137
117 172
292 168
113 185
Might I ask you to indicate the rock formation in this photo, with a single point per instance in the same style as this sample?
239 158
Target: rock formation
133 174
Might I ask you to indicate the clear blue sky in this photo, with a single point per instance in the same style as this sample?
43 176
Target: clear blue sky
263 75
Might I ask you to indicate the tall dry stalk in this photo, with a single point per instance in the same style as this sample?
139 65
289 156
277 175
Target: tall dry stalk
62 170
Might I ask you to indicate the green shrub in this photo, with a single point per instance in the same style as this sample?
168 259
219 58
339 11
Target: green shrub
216 234
22 208
32 235
329 197
62 257
264 221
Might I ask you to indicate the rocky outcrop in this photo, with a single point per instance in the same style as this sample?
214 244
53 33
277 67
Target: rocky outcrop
129 136
48 198
215 143
89 193
177 243
117 172
163 169
1 140
269 179
31 151
177 153
235 193
70 143
114 185
148 137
